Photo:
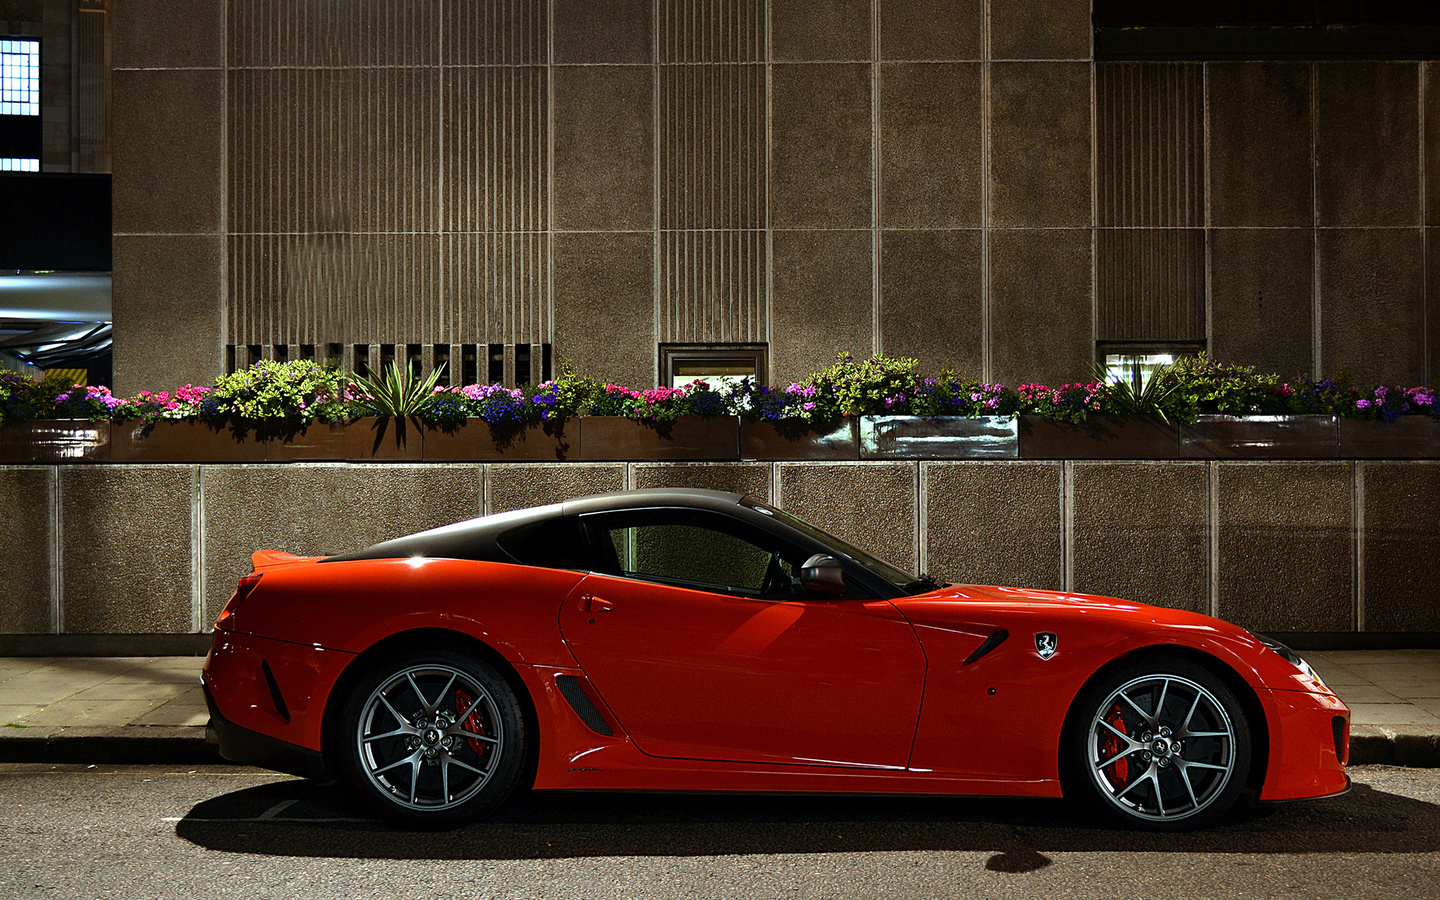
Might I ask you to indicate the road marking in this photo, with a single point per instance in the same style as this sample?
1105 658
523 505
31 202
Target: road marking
264 817
277 809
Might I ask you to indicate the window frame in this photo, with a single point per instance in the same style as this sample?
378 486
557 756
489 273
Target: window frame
604 560
672 354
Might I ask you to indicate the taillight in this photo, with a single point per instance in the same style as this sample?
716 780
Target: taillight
242 590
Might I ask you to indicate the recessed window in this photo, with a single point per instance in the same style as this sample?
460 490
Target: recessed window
20 128
19 77
718 365
1120 361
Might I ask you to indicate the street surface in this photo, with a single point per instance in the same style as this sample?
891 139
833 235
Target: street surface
217 832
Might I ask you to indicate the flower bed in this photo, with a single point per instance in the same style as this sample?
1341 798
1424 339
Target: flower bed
301 410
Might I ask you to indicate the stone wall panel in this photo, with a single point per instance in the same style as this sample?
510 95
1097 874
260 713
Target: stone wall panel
1287 553
126 557
753 479
1141 532
27 532
1401 545
518 485
321 510
871 505
994 523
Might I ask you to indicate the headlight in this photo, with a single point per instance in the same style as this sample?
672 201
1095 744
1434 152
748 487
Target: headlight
1290 656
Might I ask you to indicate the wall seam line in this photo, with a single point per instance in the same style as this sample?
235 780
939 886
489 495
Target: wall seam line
57 552
1315 286
197 548
656 252
922 516
875 151
1213 536
1357 501
986 336
1067 525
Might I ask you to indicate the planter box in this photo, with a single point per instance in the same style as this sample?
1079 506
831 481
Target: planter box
764 439
1101 437
317 443
609 438
1408 437
476 440
946 437
185 441
54 441
1260 437
384 439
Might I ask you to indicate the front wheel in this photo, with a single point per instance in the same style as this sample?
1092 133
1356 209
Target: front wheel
432 739
1161 744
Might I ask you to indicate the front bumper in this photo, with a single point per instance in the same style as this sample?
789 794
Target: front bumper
1309 745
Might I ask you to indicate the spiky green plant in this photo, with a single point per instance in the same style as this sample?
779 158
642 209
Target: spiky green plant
399 392
1138 393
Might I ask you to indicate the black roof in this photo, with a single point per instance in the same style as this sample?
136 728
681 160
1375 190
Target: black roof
476 538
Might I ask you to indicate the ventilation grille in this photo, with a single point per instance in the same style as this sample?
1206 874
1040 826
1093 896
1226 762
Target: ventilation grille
1150 254
387 172
580 702
513 365
713 171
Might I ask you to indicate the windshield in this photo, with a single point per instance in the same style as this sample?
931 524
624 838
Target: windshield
898 577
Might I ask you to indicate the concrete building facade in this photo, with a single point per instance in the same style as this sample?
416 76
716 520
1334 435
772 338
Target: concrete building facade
961 181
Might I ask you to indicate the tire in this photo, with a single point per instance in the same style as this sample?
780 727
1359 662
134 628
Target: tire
1160 744
431 739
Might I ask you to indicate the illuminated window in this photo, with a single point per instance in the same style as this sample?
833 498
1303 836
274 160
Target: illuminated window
1120 361
19 77
719 365
20 134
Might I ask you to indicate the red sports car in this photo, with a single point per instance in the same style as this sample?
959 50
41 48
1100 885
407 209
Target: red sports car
702 641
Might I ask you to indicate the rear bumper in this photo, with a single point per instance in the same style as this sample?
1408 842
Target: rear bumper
1309 745
252 748
267 700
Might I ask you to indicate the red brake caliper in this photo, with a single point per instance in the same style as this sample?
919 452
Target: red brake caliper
1111 747
472 724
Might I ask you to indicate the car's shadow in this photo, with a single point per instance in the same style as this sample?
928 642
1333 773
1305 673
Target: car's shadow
298 818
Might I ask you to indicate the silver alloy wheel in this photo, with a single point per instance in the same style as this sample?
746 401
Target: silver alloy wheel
1161 748
429 737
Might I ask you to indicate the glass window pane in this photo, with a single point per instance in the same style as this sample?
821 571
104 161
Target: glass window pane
692 555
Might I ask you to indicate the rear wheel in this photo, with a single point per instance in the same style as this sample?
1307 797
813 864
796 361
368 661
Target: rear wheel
432 739
1161 744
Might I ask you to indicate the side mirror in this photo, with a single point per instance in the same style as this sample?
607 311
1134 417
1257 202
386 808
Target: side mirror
823 574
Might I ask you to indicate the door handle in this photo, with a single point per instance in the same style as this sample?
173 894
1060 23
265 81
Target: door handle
591 603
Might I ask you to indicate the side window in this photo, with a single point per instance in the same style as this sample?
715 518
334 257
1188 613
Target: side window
687 551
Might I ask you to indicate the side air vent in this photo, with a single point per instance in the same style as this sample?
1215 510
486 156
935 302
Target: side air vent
580 702
990 643
275 695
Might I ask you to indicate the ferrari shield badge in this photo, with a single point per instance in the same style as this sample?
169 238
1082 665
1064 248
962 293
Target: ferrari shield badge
1046 643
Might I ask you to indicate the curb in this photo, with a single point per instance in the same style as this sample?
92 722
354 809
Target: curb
119 744
186 745
1373 744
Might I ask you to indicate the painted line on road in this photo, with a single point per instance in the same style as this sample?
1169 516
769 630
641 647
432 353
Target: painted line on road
261 818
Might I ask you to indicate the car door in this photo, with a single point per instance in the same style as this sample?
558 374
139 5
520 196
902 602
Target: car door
699 641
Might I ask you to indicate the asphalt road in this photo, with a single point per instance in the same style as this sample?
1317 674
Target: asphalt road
215 832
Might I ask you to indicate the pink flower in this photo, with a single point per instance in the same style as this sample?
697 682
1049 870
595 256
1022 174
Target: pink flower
1362 404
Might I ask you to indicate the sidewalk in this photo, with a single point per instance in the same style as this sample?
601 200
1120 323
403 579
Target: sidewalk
151 709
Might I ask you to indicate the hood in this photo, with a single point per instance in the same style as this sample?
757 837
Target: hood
995 595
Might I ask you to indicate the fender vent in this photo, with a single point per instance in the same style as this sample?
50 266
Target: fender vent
990 643
580 702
